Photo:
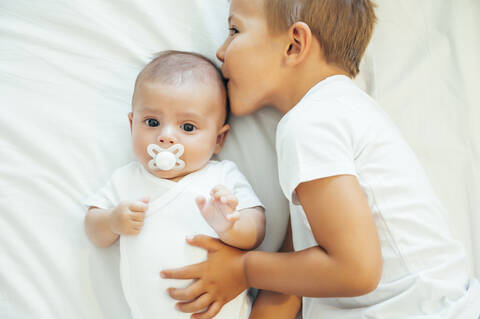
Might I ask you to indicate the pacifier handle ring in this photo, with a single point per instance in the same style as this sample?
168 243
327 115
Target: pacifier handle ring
154 150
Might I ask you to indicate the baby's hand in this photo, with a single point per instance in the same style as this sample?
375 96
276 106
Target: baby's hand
219 212
127 218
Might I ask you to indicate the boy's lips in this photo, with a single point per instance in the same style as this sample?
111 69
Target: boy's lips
224 73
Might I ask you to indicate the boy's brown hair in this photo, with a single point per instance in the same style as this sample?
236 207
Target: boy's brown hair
343 27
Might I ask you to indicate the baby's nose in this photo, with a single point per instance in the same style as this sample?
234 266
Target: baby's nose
166 140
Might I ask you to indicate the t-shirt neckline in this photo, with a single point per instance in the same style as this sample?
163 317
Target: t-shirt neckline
317 87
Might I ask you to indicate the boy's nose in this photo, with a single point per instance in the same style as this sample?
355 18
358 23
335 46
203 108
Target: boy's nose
221 53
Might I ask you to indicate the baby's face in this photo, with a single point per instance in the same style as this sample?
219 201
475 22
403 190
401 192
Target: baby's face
191 114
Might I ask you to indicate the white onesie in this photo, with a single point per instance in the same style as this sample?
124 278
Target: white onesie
172 215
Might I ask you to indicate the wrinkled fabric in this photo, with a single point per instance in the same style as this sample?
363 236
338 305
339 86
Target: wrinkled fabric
67 71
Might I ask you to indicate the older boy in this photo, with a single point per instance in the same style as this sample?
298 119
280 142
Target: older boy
370 237
178 121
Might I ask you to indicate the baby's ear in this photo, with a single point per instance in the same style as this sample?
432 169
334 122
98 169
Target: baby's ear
130 119
221 136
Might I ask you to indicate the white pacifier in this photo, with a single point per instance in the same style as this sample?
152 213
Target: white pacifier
165 159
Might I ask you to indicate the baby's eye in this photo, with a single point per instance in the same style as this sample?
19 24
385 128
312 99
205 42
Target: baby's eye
152 122
233 31
187 127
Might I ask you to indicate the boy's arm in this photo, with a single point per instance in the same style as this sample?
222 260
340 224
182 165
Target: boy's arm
104 226
347 261
274 305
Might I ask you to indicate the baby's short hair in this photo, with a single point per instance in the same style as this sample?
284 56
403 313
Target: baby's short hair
343 27
178 67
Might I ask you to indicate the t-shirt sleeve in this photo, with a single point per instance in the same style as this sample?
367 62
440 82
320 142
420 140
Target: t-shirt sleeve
312 143
105 198
236 182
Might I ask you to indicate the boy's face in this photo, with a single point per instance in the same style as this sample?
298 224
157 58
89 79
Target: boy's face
191 114
252 58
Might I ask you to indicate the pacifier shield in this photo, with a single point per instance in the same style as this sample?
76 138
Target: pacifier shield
165 159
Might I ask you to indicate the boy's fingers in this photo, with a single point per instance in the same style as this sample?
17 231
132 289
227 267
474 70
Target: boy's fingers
211 312
206 242
198 304
185 294
187 272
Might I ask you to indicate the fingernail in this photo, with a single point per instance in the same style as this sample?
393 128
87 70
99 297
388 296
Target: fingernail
189 238
162 275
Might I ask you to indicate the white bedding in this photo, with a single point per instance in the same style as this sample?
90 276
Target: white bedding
67 70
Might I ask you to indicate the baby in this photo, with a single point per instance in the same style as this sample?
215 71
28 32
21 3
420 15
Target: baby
174 189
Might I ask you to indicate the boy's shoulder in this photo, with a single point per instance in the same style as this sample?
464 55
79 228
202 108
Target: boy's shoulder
336 97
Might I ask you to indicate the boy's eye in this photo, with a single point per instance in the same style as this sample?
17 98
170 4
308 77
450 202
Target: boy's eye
187 127
233 31
152 122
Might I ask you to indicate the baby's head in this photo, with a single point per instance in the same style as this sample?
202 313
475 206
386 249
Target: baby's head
276 44
179 99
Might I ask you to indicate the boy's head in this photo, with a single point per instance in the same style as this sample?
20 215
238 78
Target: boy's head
275 44
179 98
343 27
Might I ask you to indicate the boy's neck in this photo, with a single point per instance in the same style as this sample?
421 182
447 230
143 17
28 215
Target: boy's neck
301 81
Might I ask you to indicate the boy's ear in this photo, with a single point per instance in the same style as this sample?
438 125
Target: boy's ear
300 42
221 136
130 119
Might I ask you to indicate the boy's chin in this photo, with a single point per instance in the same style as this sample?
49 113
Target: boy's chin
241 109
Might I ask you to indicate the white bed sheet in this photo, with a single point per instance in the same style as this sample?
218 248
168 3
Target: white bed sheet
67 70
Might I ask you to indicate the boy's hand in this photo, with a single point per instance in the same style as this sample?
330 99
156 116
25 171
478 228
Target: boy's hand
127 218
219 211
218 280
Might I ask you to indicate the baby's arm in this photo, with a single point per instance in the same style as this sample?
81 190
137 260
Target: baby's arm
104 226
243 229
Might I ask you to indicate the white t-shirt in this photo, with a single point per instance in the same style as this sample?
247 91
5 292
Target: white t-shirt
172 215
338 129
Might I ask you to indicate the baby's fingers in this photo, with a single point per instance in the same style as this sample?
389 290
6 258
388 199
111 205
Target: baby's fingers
220 191
200 200
134 228
230 200
138 206
137 216
233 216
145 199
